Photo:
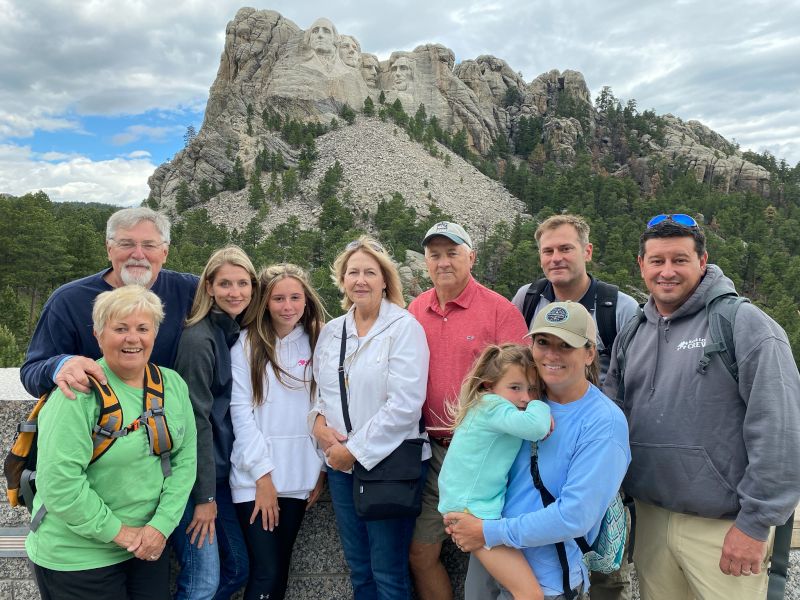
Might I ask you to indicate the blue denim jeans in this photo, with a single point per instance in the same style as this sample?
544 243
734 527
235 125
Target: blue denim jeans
376 551
215 571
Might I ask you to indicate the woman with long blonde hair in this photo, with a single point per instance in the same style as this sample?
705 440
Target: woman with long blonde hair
209 542
276 472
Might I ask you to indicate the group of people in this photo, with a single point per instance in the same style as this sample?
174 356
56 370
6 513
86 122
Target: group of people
230 421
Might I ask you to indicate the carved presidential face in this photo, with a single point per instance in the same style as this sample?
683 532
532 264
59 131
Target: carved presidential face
349 51
401 73
369 70
322 36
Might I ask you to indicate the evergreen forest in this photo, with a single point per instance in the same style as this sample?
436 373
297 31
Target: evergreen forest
754 238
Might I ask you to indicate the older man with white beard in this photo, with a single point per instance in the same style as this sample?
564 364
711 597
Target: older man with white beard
63 349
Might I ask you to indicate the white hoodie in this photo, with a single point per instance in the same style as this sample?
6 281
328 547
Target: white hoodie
273 437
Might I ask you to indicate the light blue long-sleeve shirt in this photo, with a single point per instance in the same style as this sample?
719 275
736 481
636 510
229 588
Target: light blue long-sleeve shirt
474 474
582 464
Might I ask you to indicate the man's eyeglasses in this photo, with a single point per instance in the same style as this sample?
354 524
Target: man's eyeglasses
678 219
358 244
127 245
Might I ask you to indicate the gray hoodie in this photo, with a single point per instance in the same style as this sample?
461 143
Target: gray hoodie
700 444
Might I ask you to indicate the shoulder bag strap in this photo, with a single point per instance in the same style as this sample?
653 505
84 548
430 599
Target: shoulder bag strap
342 385
547 499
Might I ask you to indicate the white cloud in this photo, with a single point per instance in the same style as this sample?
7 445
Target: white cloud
121 181
134 133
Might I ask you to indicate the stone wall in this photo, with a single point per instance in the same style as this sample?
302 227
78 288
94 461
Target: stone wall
318 569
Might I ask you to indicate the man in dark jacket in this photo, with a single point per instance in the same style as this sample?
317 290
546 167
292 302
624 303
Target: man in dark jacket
63 349
714 460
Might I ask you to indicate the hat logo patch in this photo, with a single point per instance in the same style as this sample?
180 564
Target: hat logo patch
441 226
556 315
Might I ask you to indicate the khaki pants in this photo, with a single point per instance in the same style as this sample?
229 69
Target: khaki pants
677 558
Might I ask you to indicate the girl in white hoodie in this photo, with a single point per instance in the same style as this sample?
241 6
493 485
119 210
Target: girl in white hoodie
276 471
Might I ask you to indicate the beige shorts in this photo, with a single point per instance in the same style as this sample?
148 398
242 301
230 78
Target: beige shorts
429 528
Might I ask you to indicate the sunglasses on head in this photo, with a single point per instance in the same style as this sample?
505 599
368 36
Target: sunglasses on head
678 219
358 244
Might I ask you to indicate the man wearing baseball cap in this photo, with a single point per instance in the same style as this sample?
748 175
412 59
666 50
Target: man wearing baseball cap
460 317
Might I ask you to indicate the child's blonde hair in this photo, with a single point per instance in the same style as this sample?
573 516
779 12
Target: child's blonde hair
488 369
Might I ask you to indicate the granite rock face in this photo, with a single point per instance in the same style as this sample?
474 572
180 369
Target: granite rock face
270 63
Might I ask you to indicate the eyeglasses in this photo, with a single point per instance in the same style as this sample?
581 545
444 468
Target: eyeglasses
678 219
128 245
358 244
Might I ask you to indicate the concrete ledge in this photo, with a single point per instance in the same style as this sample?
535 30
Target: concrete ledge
318 570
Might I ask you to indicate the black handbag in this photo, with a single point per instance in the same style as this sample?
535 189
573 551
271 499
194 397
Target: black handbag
393 487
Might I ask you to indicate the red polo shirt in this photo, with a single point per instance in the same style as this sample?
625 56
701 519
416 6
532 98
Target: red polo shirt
456 336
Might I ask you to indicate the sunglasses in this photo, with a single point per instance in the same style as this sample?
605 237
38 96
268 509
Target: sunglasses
678 219
358 244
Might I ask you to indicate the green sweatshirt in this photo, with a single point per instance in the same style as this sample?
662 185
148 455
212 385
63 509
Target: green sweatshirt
87 504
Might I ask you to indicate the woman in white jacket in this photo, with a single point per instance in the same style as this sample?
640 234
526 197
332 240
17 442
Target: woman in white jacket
276 469
386 372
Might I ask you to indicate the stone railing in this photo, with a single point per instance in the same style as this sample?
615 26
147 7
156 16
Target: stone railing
318 571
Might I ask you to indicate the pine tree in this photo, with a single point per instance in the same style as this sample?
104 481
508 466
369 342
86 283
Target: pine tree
10 353
190 134
369 107
289 182
257 196
239 180
348 114
183 199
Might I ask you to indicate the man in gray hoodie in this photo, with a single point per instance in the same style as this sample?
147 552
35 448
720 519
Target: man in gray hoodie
714 461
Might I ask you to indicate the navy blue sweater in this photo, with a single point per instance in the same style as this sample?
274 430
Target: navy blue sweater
65 325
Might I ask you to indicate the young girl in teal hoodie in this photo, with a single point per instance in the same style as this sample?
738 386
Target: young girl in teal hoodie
495 412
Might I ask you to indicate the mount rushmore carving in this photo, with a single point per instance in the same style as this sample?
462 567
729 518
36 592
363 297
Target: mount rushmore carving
269 63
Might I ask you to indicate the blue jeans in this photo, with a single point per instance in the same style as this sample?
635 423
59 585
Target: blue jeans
376 551
215 571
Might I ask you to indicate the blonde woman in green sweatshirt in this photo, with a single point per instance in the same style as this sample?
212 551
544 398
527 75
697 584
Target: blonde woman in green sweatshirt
107 521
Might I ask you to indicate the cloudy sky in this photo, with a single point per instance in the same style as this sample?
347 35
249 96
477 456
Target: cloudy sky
95 94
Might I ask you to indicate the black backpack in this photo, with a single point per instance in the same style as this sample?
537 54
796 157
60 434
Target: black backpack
605 301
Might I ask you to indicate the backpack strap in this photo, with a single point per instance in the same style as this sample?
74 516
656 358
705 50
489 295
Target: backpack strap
561 550
623 341
605 313
721 311
109 424
532 297
154 419
779 564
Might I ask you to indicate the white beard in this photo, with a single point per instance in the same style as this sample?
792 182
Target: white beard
129 278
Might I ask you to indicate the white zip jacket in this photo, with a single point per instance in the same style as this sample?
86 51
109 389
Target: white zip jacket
387 377
273 437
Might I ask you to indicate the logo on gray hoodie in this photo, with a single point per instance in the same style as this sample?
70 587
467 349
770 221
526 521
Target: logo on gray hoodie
691 344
